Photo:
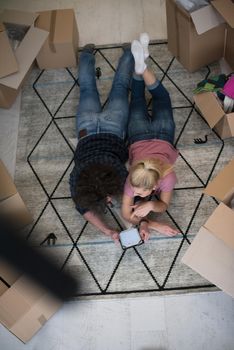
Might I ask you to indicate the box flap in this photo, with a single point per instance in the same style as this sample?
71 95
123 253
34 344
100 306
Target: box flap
226 9
18 17
8 62
7 186
223 184
25 54
221 224
209 107
212 259
206 18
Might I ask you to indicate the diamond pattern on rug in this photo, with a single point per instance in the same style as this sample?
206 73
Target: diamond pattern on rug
45 160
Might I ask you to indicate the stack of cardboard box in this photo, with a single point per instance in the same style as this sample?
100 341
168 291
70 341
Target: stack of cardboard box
204 36
59 50
211 253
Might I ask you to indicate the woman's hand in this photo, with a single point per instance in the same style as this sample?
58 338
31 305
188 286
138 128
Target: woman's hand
142 209
165 229
144 230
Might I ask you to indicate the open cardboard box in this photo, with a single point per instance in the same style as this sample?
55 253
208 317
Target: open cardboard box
60 49
211 253
24 306
25 54
204 36
212 111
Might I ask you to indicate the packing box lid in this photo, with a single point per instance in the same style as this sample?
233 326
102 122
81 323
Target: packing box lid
8 62
226 9
25 54
206 18
210 16
7 186
222 186
210 107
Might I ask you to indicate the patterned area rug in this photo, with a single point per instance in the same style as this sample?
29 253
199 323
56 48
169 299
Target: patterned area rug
45 160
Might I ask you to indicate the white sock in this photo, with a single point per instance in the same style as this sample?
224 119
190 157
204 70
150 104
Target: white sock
144 40
138 54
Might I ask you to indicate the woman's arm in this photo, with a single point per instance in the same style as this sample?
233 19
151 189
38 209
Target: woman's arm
157 206
127 210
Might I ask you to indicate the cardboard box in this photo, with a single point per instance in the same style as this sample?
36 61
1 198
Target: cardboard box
11 203
8 62
212 111
204 36
60 49
24 306
211 253
25 54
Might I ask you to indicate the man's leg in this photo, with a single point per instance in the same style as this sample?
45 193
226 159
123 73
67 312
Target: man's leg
115 115
139 123
89 102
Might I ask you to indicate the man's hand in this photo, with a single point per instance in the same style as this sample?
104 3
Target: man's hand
113 234
144 230
142 209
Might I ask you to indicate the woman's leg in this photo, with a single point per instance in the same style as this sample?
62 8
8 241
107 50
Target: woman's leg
115 115
162 124
89 102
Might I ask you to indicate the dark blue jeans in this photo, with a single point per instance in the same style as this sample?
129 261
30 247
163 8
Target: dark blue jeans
114 118
141 125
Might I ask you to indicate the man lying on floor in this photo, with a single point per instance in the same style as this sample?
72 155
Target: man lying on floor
101 152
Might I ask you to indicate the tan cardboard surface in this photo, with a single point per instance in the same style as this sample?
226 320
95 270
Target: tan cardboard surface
12 306
226 9
14 208
7 187
35 318
25 54
18 17
221 224
209 107
9 274
60 48
213 259
223 184
8 62
206 18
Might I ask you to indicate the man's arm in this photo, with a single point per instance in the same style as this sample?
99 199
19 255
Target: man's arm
98 223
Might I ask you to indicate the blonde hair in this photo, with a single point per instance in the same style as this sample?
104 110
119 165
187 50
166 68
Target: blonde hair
147 172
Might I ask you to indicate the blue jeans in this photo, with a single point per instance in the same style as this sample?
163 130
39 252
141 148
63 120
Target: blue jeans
114 118
141 125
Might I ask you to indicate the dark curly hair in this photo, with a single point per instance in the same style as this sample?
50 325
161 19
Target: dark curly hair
95 183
